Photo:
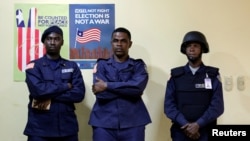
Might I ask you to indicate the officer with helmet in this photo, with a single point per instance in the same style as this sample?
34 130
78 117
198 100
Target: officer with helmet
193 97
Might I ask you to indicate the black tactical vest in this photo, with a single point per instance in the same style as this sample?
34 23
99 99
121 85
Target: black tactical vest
191 95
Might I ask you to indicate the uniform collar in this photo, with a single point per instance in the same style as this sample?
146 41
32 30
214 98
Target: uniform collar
46 60
112 60
187 69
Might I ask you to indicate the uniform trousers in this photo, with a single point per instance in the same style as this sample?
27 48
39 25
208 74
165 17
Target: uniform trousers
124 134
66 138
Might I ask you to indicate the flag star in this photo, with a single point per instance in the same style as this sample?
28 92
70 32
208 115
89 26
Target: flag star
19 16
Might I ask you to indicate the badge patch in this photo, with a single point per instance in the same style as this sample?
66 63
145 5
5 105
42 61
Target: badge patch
95 68
146 69
30 66
67 70
219 78
199 85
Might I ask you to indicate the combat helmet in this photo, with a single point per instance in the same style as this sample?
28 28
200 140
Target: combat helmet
195 36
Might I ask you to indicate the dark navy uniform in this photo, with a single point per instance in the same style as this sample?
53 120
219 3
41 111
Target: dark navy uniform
47 79
188 99
120 106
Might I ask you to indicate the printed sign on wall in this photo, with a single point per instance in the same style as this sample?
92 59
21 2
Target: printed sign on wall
87 31
90 32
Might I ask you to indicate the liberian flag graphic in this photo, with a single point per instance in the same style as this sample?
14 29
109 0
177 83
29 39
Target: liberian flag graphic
29 46
88 35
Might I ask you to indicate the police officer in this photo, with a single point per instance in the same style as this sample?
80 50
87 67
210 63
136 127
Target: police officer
54 85
119 113
193 98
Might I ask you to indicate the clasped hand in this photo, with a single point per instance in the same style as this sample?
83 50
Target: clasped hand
42 104
191 130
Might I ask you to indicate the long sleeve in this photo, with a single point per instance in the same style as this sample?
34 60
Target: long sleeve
170 105
216 107
135 85
41 89
129 82
77 92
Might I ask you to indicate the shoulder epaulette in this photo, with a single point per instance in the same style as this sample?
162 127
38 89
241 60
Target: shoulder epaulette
139 60
177 71
102 59
212 70
64 59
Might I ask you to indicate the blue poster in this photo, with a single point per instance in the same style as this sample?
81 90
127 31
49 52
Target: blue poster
90 30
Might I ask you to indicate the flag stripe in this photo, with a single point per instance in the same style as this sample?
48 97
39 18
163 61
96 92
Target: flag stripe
19 48
36 44
27 46
24 43
31 27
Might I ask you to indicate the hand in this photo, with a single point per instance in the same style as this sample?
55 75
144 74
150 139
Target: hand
191 130
195 136
69 85
99 86
42 104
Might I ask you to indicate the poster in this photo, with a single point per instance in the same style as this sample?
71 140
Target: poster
87 31
91 27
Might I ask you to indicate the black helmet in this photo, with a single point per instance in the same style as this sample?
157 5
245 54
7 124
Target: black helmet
194 36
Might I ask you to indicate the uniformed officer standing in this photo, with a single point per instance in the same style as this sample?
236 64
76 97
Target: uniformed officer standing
119 113
194 98
54 84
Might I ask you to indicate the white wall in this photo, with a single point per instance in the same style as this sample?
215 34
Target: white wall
157 28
